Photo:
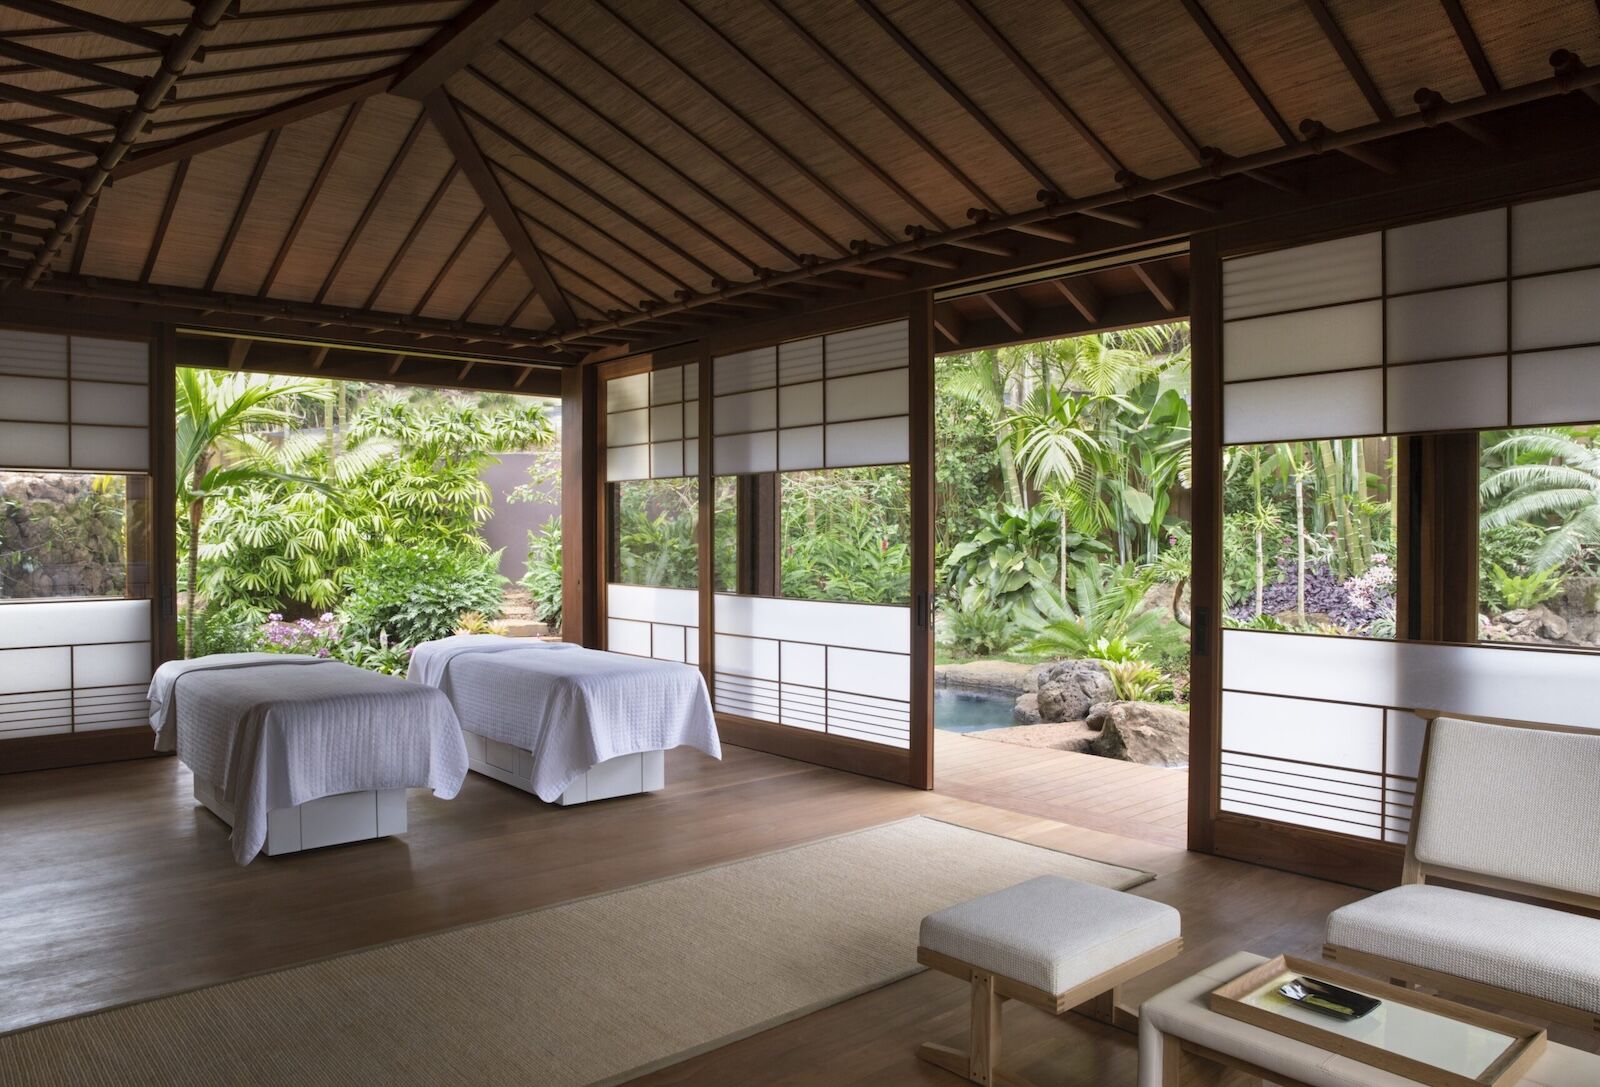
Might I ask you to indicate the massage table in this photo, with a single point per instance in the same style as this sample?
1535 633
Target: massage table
567 724
298 752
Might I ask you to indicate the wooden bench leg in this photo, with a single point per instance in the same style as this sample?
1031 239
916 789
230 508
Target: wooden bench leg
978 1063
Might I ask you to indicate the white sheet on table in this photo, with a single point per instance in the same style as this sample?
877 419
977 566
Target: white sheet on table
163 718
276 733
430 661
576 709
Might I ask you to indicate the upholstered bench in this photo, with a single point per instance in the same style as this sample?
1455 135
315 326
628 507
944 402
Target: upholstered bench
1052 942
1501 807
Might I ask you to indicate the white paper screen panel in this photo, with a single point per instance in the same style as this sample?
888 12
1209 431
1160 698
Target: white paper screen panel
651 429
1479 681
1447 324
1447 395
650 604
844 669
1308 342
834 401
1556 310
76 666
33 354
1313 406
1555 386
34 399
1548 235
110 360
1446 252
1341 270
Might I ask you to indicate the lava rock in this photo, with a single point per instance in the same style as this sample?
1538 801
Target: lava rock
1143 732
1067 689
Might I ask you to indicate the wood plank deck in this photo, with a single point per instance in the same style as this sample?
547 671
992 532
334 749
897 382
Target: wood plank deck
1144 802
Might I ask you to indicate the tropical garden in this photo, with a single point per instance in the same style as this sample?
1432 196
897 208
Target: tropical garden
337 518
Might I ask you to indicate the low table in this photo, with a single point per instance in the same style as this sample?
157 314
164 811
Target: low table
1182 1041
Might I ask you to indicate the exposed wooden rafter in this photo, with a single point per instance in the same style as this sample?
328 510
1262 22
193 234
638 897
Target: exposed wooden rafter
1349 58
442 112
241 209
1230 57
472 32
395 166
168 208
1471 45
329 159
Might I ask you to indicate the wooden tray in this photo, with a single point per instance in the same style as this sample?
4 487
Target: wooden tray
1524 1046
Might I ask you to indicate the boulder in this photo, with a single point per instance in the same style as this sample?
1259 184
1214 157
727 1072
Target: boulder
998 677
1026 711
1143 732
1067 689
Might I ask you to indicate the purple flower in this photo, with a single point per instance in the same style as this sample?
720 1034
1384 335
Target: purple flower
275 617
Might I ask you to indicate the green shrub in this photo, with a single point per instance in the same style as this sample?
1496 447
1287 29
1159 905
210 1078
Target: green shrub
982 632
408 595
391 660
1523 591
233 627
543 579
1137 681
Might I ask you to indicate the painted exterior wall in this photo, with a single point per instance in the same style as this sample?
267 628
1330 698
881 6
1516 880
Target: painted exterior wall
507 528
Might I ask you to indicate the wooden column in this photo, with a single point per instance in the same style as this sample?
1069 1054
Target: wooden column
582 491
1437 506
1205 576
164 497
920 377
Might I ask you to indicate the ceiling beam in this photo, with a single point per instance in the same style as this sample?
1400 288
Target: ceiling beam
378 194
285 113
466 36
238 351
1158 280
848 74
164 223
805 109
799 218
88 21
1351 60
417 224
242 209
705 194
757 131
329 158
1134 77
1471 45
442 112
82 69
947 322
47 138
1230 57
1081 293
450 261
1009 309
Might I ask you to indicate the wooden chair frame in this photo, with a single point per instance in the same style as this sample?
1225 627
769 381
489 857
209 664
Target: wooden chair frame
1096 998
1417 872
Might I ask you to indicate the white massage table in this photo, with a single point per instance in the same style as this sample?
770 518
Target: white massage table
568 724
297 752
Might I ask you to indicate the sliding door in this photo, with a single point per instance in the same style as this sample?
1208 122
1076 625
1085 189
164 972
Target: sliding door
1368 384
77 624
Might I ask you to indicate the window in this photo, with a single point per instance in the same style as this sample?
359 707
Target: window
73 535
1309 537
845 534
652 527
1539 536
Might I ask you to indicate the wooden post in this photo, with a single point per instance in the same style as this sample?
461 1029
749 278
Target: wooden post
983 1047
1205 573
581 488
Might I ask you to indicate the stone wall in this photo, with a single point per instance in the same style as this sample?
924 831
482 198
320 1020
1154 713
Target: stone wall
59 536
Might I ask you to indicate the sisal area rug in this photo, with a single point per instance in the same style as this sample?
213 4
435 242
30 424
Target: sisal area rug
593 991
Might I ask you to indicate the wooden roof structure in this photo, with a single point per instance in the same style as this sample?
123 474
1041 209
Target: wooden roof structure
536 181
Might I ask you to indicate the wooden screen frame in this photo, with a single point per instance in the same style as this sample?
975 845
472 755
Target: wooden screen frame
913 767
584 474
136 742
1433 567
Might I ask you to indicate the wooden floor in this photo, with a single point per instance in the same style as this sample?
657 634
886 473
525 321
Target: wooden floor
116 886
1145 802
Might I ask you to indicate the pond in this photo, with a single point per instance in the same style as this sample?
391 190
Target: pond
970 711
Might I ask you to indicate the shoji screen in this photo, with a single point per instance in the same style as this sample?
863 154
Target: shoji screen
837 667
1471 322
652 461
75 644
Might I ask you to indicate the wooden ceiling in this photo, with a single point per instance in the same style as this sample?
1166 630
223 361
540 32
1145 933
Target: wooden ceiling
541 180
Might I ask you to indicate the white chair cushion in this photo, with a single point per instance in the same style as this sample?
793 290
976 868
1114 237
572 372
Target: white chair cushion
1517 803
1512 945
1051 932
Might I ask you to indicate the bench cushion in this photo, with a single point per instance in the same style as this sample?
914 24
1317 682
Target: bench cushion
1051 932
1511 945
